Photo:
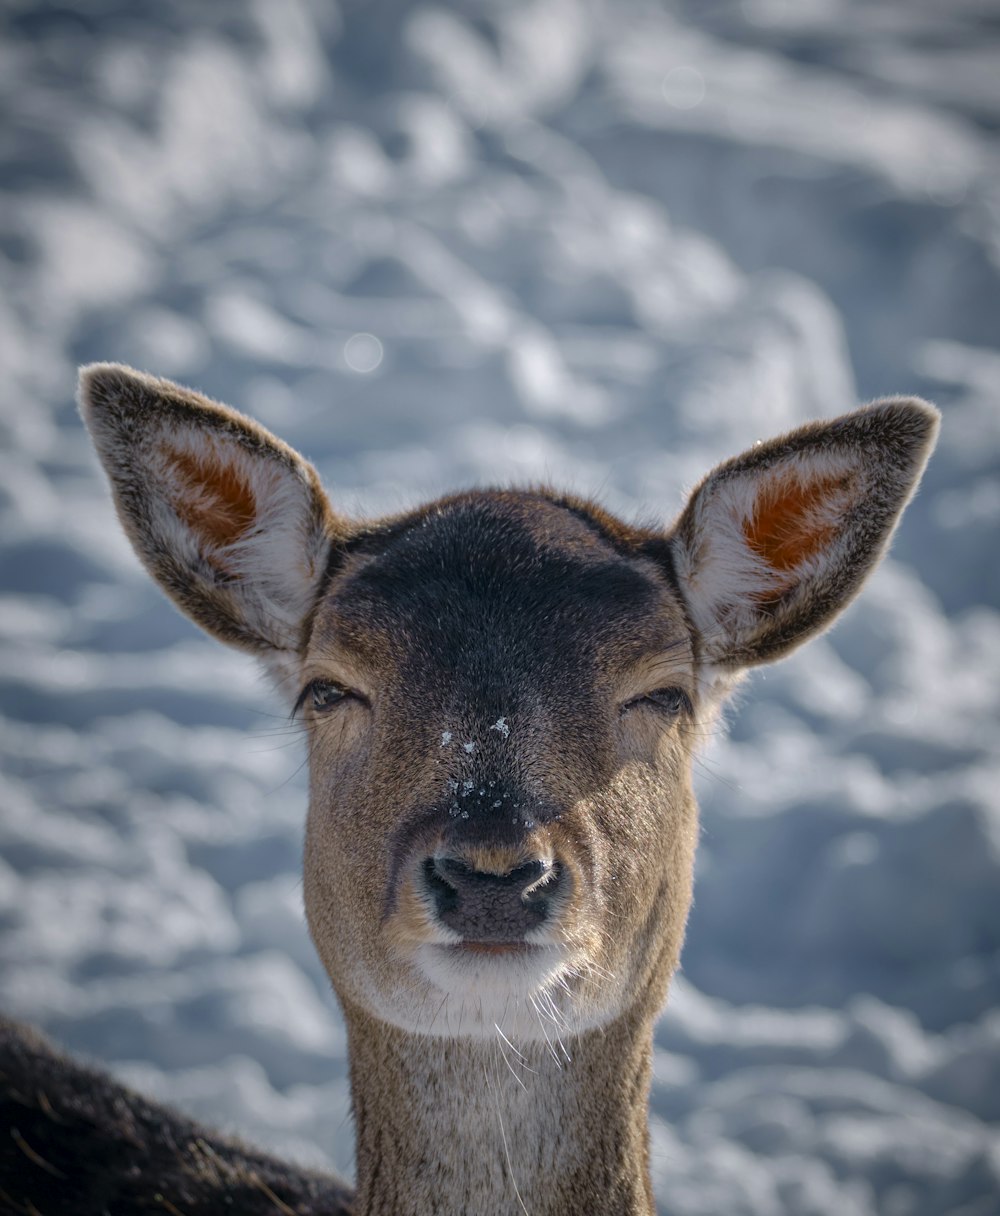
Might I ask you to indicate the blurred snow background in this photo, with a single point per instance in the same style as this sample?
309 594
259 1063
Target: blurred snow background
606 242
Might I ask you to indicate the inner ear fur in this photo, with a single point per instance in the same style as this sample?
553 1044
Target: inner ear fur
774 543
231 522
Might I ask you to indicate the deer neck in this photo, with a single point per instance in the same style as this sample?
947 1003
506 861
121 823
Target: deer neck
453 1126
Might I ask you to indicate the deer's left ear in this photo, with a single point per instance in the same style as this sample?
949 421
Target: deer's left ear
774 543
231 522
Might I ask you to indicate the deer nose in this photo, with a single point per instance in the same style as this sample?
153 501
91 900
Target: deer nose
491 908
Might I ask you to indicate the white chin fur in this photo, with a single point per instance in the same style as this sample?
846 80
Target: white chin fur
492 979
528 996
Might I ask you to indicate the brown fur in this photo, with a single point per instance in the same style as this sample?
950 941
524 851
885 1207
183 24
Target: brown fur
791 525
75 1143
498 681
218 503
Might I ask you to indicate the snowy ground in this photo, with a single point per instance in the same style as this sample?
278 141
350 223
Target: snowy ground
602 242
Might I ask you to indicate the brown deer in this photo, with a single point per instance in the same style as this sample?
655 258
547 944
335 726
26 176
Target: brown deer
503 691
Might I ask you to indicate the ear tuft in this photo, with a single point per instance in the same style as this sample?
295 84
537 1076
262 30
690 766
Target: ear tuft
106 384
229 520
775 543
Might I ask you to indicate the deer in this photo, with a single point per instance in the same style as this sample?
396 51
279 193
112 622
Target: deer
502 691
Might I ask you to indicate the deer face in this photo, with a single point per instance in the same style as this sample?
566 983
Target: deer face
502 690
501 700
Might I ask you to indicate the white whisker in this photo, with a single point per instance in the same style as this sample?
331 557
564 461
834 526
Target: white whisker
545 1033
503 1137
506 1060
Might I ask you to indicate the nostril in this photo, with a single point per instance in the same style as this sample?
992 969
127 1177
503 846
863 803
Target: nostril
450 870
527 875
526 878
542 883
445 893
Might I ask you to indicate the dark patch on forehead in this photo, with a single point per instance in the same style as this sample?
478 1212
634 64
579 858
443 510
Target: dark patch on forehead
488 566
525 507
497 547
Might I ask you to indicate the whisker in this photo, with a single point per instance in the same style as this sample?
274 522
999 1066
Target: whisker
437 1011
505 1058
545 1033
523 1060
503 1137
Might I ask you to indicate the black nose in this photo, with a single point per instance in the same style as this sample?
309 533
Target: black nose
493 908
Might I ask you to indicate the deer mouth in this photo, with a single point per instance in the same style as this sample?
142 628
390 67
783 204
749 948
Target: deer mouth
494 974
495 948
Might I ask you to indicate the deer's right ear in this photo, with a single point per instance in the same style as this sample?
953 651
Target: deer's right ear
231 522
775 543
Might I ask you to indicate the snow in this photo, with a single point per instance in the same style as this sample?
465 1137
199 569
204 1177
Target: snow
601 245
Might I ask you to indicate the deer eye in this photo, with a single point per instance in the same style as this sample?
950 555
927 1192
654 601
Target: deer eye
672 701
322 695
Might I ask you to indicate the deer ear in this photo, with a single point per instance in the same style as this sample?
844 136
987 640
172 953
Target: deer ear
774 543
231 523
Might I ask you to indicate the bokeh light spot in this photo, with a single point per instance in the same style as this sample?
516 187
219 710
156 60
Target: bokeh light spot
684 88
363 353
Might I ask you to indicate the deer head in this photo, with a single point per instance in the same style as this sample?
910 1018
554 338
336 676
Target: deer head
502 689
